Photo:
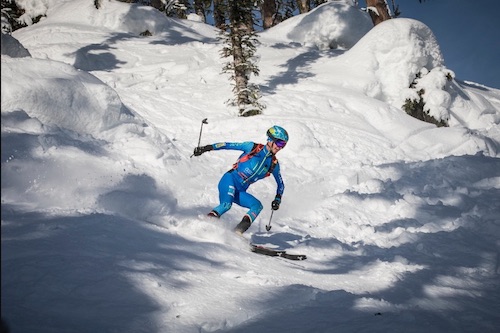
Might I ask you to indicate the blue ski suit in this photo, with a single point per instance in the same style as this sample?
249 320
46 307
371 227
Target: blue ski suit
235 182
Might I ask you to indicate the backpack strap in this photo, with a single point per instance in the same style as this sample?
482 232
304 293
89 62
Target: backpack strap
273 165
255 150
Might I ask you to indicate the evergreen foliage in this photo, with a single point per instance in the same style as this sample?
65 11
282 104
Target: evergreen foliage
416 107
239 42
11 13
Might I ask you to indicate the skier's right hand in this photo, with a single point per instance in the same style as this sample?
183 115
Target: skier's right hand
200 150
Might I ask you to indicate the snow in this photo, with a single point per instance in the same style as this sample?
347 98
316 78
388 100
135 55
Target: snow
103 210
325 27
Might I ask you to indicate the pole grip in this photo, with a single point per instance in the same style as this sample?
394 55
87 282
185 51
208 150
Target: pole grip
204 121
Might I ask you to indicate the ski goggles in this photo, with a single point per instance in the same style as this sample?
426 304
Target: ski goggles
280 143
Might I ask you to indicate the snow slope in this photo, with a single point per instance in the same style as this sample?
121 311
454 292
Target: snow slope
103 226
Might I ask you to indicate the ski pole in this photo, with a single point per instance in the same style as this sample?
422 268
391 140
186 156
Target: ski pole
268 226
204 121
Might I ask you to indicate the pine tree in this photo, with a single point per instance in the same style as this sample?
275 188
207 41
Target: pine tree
239 39
10 16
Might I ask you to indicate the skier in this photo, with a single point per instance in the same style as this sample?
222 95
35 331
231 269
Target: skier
256 162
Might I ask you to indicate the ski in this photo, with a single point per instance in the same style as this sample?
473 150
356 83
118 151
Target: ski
276 253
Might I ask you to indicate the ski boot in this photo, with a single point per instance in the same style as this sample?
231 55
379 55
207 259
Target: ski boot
213 214
243 225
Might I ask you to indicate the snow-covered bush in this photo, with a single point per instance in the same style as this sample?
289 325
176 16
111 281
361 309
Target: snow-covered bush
427 98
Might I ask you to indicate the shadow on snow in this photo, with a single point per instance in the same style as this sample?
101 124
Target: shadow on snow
457 289
92 272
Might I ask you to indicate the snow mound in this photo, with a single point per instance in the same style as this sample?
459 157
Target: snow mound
328 26
395 61
79 101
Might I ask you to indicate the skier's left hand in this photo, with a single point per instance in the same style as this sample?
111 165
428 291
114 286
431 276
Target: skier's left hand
275 205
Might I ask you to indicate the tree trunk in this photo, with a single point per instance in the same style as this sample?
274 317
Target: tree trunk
219 15
378 10
240 68
156 4
268 11
304 6
199 9
238 28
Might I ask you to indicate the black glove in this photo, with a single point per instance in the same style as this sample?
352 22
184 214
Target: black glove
200 150
275 205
